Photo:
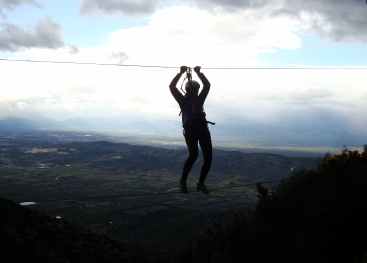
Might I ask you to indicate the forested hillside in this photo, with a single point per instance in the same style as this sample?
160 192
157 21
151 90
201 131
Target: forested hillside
315 216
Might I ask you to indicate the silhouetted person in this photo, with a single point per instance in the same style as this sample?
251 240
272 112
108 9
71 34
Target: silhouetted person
195 126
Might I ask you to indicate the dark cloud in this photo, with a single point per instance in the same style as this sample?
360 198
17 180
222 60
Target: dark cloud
233 5
12 4
127 7
46 34
73 49
120 56
342 20
309 94
338 20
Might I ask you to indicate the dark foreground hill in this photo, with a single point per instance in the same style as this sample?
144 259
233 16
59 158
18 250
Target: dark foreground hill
315 216
28 235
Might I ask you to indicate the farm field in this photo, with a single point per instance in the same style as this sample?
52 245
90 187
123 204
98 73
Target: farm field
130 207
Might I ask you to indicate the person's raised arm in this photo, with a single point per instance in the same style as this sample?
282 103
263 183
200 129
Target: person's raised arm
172 86
206 84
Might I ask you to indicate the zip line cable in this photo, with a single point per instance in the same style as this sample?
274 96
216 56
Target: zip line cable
79 63
151 66
146 194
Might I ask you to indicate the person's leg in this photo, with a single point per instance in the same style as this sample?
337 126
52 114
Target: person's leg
191 139
205 142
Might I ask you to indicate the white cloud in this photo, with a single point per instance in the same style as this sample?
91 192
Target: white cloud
22 105
219 41
364 96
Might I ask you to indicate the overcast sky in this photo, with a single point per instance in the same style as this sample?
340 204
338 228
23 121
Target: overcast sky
209 33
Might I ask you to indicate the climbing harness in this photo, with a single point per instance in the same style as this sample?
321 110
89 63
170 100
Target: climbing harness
189 88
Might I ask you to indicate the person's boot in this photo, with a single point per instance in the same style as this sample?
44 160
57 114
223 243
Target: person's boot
183 187
202 188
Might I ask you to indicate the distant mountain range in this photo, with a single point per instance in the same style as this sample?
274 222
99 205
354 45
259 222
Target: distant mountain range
315 134
12 123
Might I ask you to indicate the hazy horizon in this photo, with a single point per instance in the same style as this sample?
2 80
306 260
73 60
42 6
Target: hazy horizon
256 137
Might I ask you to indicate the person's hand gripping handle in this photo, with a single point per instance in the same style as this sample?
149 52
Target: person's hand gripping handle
183 69
197 69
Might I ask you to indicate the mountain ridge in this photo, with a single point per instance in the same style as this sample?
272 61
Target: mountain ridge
126 157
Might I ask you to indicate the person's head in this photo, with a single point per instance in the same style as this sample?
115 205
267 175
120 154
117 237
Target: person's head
192 88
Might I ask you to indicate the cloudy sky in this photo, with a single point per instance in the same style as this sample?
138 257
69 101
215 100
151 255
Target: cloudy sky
324 42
